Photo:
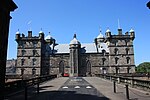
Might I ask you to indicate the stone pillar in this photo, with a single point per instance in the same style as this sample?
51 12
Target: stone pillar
5 7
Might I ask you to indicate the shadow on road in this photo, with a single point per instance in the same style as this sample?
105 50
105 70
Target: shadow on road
66 95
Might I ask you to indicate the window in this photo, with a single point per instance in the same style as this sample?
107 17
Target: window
34 44
116 51
103 61
22 62
116 60
33 61
22 71
33 71
127 51
23 52
34 52
128 60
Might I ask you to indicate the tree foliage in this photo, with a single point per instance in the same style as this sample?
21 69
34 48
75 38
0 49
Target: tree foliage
143 67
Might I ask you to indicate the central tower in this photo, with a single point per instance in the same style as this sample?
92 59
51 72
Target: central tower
74 56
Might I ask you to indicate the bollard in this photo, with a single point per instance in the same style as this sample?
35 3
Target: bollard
114 86
127 91
25 92
38 86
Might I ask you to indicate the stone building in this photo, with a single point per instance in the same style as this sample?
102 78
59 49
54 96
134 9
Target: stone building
37 55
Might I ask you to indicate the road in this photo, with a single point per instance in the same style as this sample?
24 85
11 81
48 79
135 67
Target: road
76 88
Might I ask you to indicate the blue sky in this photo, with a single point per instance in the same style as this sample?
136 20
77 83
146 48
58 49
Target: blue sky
65 17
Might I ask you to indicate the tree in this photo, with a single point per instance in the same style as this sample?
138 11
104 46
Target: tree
143 67
148 4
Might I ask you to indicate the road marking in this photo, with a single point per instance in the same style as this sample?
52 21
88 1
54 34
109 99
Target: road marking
65 87
76 80
88 87
77 87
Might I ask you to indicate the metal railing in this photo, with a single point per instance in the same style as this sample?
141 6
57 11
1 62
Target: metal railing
130 80
23 85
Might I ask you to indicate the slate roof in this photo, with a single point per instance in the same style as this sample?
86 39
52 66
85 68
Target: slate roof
85 48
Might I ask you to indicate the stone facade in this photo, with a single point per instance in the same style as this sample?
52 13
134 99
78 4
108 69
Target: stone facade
109 54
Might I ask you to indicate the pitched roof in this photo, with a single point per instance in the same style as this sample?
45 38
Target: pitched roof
85 48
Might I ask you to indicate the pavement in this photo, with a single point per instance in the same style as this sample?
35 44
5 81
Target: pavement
78 88
106 88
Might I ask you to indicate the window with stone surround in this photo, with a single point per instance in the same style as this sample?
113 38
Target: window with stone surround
103 61
23 52
33 71
34 52
116 51
22 71
128 60
116 60
34 44
22 62
33 61
127 51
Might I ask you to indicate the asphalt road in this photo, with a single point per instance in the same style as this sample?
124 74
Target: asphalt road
76 88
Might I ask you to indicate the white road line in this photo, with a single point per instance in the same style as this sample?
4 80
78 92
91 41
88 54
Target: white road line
88 87
65 87
77 87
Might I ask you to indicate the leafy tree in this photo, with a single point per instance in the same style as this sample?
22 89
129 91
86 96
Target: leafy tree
143 67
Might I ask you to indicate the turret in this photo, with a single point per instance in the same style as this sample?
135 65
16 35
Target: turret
100 38
49 39
108 33
132 34
74 42
17 35
41 34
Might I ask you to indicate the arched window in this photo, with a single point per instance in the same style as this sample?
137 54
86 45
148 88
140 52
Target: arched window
61 67
127 51
128 60
116 60
116 51
88 69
